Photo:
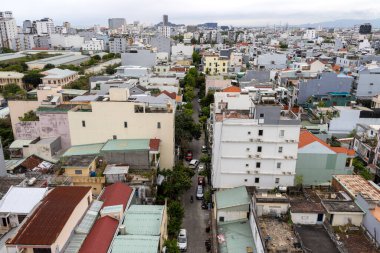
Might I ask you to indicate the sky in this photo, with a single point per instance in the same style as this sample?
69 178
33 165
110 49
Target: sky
86 13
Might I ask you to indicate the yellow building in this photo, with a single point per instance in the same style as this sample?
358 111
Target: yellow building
82 170
215 65
7 77
125 117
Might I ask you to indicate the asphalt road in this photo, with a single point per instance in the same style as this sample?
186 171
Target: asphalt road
196 219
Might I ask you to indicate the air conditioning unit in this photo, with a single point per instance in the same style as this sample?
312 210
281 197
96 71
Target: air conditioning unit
251 140
292 141
286 157
249 156
259 140
287 140
289 173
247 149
291 157
284 172
256 172
257 156
248 172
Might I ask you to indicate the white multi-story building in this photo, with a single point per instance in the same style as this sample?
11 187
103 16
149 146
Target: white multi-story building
118 45
253 143
66 41
8 30
26 41
310 34
165 31
44 26
93 45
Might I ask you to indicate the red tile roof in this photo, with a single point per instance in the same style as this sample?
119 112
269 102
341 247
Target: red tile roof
307 138
101 235
116 194
172 95
31 162
232 89
154 144
47 221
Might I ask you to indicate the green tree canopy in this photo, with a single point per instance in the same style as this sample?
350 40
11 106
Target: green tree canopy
29 116
13 91
33 78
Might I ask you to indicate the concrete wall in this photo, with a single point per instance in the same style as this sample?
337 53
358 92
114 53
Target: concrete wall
322 168
341 219
233 213
143 58
18 109
216 84
161 43
272 61
135 159
364 87
107 119
54 125
27 130
370 223
255 232
270 208
304 218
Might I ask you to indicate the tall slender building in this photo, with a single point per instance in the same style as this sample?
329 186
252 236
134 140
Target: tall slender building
165 20
116 23
8 30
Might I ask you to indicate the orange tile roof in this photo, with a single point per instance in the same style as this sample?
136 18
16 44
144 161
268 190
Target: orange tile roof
307 138
232 89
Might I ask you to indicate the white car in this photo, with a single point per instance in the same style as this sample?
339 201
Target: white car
182 240
201 167
193 163
199 192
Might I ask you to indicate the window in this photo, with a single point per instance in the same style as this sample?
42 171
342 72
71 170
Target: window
282 133
221 218
83 123
279 149
277 180
257 180
246 165
114 137
258 165
371 84
261 132
278 165
249 133
125 124
158 124
261 115
78 172
259 149
245 180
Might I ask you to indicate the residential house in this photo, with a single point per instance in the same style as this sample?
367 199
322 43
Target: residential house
341 213
271 61
367 83
270 204
124 118
213 64
327 160
17 204
365 142
47 230
139 57
355 184
216 83
8 77
58 77
322 85
306 212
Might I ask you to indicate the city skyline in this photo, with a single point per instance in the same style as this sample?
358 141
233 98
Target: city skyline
246 13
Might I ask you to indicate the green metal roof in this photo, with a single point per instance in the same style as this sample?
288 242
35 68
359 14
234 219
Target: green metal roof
135 244
144 219
237 235
89 149
124 145
73 92
60 108
232 197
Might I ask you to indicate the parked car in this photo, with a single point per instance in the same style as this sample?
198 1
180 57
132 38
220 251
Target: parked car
182 240
200 192
189 155
193 163
204 149
201 180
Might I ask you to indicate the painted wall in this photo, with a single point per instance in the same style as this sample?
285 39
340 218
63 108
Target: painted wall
233 213
304 218
19 108
269 208
341 219
370 223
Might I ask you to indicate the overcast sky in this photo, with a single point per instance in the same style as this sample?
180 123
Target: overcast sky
85 13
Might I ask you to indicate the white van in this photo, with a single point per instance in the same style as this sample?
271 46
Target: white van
193 163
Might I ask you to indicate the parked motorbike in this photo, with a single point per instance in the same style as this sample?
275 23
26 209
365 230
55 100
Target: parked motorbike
191 199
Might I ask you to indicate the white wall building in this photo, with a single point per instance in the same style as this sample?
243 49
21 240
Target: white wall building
93 45
66 41
165 31
8 30
310 34
44 26
183 49
254 145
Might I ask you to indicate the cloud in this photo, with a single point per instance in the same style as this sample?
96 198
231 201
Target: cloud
82 13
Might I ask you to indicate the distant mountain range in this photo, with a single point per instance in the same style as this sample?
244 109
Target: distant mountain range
344 23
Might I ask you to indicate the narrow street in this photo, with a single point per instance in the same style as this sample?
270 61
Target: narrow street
196 219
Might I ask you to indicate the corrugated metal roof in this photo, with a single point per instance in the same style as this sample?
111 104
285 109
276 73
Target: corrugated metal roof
237 237
89 149
232 197
75 243
123 145
135 244
144 219
88 220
